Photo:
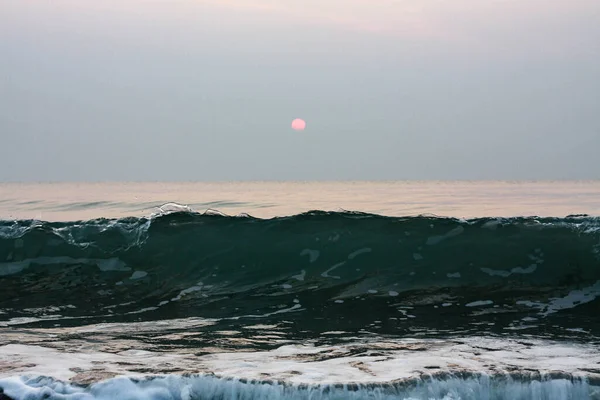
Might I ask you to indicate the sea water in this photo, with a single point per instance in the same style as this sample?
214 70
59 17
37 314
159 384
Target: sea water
346 290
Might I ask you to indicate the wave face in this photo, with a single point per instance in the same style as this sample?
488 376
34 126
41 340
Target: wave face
319 305
346 271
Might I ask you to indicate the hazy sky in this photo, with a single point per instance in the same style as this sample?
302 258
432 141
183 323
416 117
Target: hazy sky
390 89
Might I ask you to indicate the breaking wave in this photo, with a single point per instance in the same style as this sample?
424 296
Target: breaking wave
316 264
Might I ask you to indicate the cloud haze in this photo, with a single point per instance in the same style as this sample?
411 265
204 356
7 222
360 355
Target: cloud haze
207 89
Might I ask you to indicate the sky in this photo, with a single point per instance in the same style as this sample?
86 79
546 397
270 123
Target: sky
206 90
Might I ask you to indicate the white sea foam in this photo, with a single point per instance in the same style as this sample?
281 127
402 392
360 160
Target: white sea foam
479 303
208 387
381 370
187 291
168 208
505 274
295 307
301 276
573 299
138 275
313 255
326 273
358 252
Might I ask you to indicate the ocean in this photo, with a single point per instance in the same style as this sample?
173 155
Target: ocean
279 290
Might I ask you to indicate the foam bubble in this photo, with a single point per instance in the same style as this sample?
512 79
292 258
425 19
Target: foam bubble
301 276
358 252
326 273
479 303
313 255
138 275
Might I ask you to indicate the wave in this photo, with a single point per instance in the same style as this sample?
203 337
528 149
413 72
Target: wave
215 266
208 387
369 368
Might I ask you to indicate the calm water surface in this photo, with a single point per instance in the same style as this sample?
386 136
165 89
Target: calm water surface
75 201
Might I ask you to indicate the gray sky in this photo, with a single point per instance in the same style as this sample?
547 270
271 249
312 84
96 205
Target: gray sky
206 89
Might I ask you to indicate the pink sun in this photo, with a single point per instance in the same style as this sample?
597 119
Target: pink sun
298 124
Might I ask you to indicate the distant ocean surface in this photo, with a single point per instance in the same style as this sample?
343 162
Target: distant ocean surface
342 290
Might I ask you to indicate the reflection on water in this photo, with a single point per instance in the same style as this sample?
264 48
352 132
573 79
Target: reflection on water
75 201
